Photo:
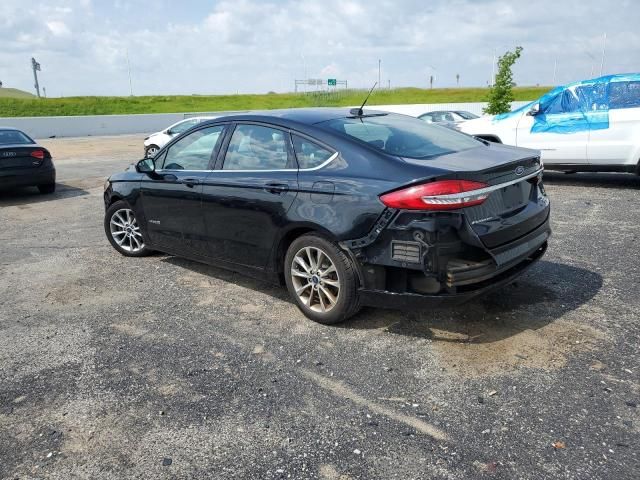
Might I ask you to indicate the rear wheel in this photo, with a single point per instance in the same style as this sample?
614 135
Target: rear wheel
123 231
47 188
321 279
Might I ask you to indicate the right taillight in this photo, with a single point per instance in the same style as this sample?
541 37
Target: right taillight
440 195
39 154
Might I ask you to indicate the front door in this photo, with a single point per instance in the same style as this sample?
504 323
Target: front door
172 195
560 130
246 199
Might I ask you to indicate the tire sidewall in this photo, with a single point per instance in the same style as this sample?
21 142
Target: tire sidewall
348 287
114 207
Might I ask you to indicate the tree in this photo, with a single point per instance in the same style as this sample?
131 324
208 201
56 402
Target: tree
501 96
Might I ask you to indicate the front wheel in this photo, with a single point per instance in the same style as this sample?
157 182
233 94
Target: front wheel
151 151
321 279
123 231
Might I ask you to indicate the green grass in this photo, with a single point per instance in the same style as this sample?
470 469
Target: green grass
14 93
13 107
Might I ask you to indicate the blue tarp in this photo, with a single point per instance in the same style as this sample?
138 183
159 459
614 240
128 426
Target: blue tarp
582 106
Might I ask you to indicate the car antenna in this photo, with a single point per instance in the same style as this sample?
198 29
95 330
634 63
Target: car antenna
358 111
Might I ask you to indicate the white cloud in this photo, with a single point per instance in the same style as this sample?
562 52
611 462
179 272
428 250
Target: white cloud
257 46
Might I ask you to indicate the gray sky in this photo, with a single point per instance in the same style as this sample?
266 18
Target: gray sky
230 46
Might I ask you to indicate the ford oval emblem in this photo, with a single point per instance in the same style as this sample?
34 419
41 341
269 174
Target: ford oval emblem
519 170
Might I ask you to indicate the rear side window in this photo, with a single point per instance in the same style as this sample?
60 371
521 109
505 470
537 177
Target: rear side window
310 154
624 95
403 136
255 147
14 137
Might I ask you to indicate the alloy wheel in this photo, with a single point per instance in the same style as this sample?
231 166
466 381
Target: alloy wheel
315 279
125 230
151 151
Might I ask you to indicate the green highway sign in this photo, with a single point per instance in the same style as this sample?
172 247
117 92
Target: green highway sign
332 82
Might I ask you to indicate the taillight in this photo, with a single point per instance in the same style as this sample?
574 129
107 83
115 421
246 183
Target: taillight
39 154
440 195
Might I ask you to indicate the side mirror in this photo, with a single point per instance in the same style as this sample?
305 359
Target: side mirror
535 110
146 165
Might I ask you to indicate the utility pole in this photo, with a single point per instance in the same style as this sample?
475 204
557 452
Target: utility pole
129 70
389 84
379 62
44 91
493 69
431 82
36 68
604 43
457 79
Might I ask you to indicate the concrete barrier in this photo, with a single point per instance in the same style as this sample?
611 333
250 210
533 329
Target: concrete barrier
91 125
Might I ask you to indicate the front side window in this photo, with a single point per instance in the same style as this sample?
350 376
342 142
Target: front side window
194 151
566 102
310 154
255 147
403 136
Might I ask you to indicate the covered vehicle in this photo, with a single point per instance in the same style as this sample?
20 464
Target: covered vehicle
591 125
24 163
346 207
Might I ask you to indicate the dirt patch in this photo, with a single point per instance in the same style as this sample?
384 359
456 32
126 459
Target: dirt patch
486 352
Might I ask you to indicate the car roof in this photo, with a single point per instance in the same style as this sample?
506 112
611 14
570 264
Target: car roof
305 116
10 128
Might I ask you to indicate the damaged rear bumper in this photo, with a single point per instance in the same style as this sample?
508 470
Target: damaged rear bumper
408 300
423 263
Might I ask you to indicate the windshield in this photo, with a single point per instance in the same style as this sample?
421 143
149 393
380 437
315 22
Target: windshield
404 136
467 115
14 137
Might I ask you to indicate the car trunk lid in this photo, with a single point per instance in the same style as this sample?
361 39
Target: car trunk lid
21 156
516 203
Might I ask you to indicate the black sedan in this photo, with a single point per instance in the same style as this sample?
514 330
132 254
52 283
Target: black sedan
346 207
24 163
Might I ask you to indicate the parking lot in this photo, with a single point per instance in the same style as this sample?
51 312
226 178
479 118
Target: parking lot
115 367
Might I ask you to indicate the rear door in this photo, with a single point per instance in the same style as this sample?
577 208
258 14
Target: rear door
615 124
172 195
247 197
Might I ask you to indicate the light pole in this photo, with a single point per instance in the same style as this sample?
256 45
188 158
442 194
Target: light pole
129 70
36 68
604 43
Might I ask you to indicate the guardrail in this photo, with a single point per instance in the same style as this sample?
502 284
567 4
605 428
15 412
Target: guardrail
93 125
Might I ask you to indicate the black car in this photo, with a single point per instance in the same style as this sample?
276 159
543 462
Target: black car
346 207
24 163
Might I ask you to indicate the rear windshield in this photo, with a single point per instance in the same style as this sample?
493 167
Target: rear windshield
14 137
404 136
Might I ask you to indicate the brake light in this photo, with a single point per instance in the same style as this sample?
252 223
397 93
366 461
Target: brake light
39 154
440 195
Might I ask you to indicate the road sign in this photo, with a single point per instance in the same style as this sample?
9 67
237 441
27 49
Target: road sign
332 82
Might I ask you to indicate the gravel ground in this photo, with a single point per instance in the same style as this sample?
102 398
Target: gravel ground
159 367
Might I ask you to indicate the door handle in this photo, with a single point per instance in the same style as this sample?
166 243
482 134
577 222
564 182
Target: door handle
190 182
276 188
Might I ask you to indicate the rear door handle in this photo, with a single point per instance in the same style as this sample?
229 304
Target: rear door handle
190 182
276 188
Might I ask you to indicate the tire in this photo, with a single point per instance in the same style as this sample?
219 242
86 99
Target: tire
316 285
47 188
119 217
151 151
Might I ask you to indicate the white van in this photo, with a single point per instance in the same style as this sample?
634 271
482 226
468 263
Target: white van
592 125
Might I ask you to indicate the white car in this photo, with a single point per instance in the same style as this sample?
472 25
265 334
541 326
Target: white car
156 141
592 125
